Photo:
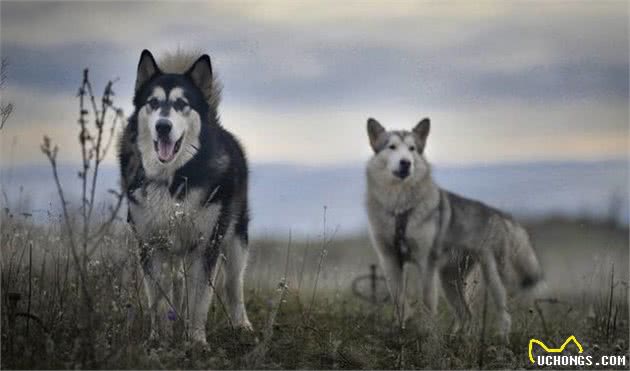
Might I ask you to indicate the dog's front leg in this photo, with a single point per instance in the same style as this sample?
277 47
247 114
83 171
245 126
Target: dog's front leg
429 294
236 256
394 270
493 281
158 283
197 275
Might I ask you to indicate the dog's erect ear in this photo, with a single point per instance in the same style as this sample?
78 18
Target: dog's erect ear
147 68
201 72
421 132
422 129
375 131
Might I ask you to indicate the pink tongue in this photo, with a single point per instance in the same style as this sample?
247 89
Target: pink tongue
165 150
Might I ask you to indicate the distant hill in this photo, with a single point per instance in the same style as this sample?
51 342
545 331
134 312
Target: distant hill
292 197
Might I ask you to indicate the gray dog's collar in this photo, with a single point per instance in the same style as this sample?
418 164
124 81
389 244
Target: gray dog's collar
402 220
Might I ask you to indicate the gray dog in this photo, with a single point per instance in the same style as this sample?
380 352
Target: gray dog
413 221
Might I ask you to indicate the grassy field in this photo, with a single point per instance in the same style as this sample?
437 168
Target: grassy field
72 295
311 319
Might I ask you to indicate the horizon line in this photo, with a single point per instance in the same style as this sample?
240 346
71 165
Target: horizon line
346 164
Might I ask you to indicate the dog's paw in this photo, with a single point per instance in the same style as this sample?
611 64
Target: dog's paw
502 338
245 326
197 348
505 323
153 341
461 328
198 337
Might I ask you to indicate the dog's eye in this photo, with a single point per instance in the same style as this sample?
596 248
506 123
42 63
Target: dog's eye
412 148
180 104
153 103
392 146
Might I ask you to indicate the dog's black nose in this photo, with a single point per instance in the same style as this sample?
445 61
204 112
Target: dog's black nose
163 128
405 164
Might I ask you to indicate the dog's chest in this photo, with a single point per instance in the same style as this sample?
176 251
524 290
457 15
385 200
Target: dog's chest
413 234
182 220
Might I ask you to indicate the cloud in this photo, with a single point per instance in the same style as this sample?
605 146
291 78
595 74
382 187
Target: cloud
300 74
38 114
287 52
336 135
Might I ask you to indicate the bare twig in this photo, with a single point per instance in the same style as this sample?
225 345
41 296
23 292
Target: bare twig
5 108
539 310
30 285
610 301
322 255
82 244
257 355
482 335
216 294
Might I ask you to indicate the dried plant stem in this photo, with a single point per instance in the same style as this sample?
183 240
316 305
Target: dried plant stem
82 244
258 354
610 302
322 254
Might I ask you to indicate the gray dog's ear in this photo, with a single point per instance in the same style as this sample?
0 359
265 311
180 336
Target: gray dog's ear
421 132
375 130
201 72
422 129
147 68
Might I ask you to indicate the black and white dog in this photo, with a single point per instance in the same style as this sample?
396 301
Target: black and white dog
185 179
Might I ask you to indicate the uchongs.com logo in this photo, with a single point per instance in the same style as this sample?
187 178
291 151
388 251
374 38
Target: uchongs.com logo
550 357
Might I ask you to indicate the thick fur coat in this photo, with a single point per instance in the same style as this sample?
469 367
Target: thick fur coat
414 222
185 178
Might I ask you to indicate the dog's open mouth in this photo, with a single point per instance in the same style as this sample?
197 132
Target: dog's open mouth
166 149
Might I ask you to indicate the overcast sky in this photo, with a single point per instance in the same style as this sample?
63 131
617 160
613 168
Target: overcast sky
501 81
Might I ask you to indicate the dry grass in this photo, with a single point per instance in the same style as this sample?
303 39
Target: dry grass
72 295
336 330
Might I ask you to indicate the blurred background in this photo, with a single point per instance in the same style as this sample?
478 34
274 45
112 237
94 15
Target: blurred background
528 100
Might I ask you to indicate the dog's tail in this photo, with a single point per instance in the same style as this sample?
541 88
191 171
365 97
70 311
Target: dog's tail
524 260
180 61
